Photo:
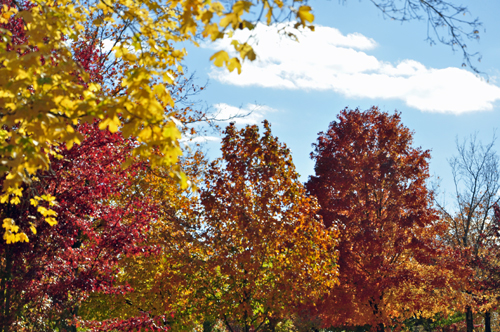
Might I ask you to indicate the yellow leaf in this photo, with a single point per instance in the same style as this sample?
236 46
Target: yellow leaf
242 6
46 212
163 94
304 15
9 237
220 58
212 30
145 134
168 77
111 123
22 237
122 52
230 18
4 198
234 63
8 223
51 221
97 21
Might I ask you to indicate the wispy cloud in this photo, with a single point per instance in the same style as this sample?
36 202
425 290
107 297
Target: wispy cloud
188 139
250 114
328 60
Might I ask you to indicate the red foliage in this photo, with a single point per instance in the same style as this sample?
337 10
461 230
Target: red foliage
63 264
43 282
370 183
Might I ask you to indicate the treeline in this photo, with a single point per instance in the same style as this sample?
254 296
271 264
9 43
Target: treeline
108 228
248 247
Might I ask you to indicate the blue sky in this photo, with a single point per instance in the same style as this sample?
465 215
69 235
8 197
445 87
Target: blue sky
356 58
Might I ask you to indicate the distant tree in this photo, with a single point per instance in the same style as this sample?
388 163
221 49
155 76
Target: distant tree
471 222
371 184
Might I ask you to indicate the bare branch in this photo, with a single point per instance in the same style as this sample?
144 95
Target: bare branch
476 175
440 15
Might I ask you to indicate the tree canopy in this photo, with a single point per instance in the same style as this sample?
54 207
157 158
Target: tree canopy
371 184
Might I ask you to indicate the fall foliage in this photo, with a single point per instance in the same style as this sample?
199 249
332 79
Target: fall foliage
370 183
264 249
109 226
159 277
247 251
44 281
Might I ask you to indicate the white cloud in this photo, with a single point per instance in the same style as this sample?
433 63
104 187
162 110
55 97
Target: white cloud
250 114
327 60
187 139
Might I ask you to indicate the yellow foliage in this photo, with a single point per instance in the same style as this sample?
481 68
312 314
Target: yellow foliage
161 281
12 233
304 14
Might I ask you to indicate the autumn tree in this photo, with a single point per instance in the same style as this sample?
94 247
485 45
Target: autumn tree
371 184
262 247
159 279
43 282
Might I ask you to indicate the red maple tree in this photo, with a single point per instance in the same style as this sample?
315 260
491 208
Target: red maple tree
371 184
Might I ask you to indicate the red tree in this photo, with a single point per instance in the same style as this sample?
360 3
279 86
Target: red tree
44 281
370 182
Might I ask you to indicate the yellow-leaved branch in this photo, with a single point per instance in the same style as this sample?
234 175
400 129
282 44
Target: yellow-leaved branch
45 92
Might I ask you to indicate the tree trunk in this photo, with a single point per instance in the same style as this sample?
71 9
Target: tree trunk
208 326
5 292
469 319
380 326
68 315
487 321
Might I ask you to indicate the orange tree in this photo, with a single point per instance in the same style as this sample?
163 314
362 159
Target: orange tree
371 185
263 249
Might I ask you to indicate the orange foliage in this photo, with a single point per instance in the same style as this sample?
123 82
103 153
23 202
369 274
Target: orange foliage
265 248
